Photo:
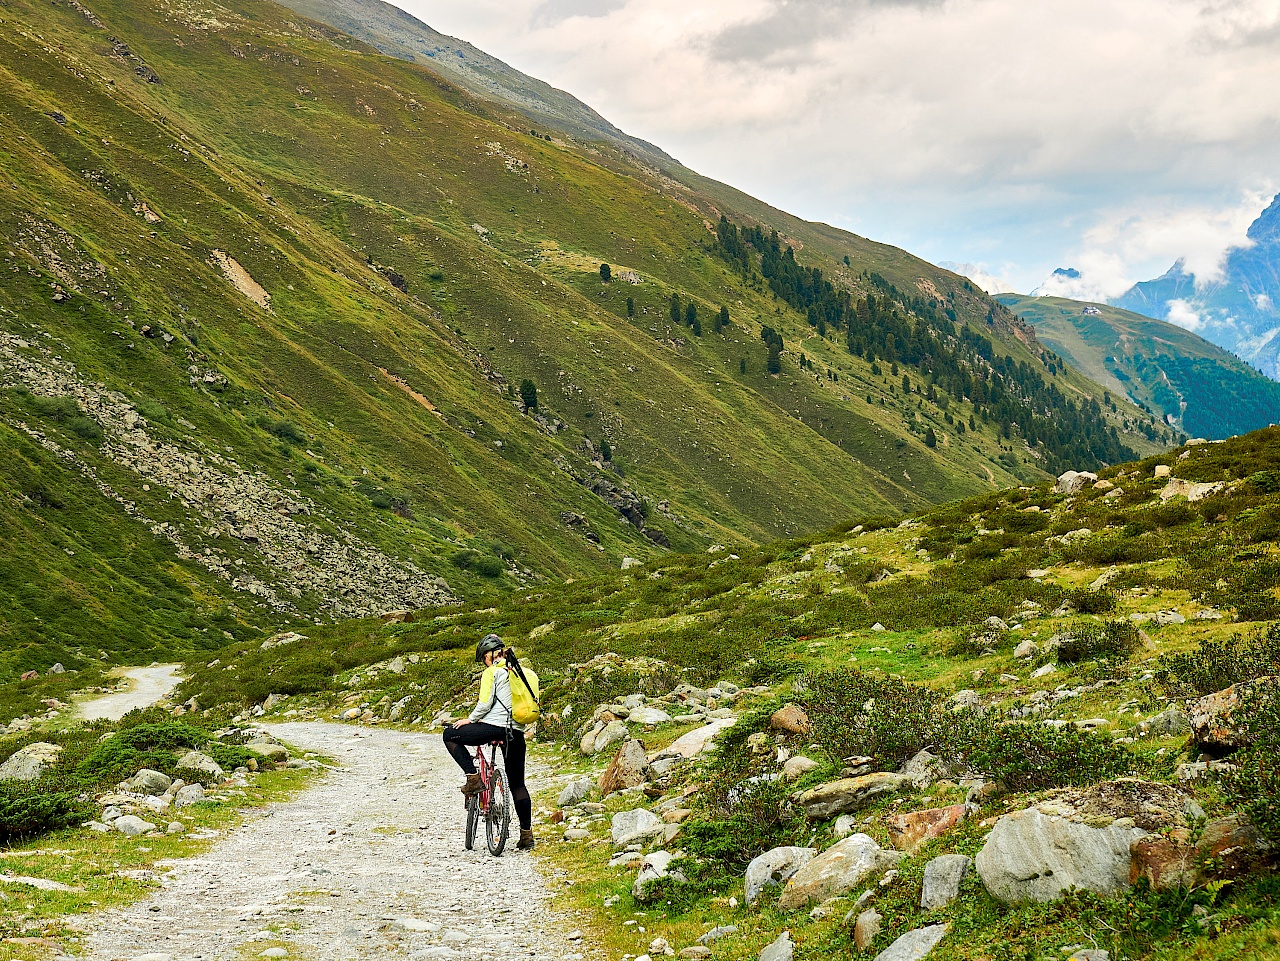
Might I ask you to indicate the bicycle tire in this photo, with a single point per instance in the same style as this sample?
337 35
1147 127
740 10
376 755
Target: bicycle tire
497 816
473 820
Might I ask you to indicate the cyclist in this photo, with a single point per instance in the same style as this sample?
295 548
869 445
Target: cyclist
491 720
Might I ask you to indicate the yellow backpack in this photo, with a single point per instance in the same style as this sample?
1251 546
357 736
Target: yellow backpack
525 705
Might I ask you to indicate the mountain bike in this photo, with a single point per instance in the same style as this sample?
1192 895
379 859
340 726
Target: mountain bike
494 800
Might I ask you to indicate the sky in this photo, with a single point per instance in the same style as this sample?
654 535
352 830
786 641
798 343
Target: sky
1014 136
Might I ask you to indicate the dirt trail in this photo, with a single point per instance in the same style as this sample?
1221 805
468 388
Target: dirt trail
146 686
367 863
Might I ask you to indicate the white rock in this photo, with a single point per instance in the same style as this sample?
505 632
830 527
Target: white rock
914 945
627 827
942 878
775 867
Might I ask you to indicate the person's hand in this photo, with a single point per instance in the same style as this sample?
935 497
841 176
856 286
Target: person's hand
465 720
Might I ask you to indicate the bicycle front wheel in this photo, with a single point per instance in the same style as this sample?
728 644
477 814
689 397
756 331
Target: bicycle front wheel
473 819
497 817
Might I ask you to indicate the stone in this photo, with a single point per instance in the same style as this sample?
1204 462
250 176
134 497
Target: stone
648 715
1027 649
1231 845
31 762
1177 487
1162 470
775 867
576 791
654 867
1073 481
629 562
914 945
603 735
942 878
838 870
965 700
866 928
148 781
627 827
848 794
718 932
790 719
1044 671
878 627
695 951
798 766
910 832
271 750
629 768
188 795
176 827
132 825
1215 724
780 950
201 762
1170 722
845 825
677 815
576 834
995 623
1033 856
1090 954
57 669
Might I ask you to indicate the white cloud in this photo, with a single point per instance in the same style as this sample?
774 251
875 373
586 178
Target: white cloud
976 130
980 275
1182 314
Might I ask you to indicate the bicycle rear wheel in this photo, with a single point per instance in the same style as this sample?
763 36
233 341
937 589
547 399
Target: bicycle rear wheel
473 819
497 816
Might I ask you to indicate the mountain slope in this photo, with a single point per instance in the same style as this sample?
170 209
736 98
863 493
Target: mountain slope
1239 311
1189 382
268 297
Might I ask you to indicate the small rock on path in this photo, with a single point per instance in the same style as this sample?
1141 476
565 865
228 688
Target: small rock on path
367 863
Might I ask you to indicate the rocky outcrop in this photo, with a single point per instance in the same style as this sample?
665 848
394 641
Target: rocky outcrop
839 869
790 719
1228 847
909 832
1218 721
602 735
1073 481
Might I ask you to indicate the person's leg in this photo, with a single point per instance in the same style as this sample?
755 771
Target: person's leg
459 740
515 755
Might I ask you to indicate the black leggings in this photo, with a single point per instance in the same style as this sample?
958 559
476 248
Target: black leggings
457 741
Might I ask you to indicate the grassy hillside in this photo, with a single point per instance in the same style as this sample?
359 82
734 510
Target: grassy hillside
1196 386
270 295
1134 598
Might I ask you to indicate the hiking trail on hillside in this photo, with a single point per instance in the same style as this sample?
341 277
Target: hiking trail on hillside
146 686
367 862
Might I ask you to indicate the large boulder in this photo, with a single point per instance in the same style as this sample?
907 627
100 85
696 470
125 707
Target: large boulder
148 781
603 735
848 794
1073 481
132 825
629 768
1217 720
271 750
790 719
31 762
628 827
781 949
648 715
775 867
837 870
655 867
576 791
1231 846
698 740
914 945
1034 856
198 761
942 878
187 795
909 832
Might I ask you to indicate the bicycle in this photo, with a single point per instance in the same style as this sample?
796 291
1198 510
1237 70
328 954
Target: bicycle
494 800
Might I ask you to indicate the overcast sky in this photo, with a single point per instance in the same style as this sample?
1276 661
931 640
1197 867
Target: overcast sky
1017 135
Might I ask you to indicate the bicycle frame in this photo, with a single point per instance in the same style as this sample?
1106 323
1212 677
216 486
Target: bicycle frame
485 770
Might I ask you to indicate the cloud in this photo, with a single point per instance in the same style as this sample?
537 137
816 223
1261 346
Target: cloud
1182 314
970 130
980 275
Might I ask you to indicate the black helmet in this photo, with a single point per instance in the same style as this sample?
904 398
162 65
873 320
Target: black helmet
488 644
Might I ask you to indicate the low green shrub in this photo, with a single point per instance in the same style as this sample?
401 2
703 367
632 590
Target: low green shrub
1110 641
1254 784
152 745
854 713
31 808
1030 757
1217 663
1088 601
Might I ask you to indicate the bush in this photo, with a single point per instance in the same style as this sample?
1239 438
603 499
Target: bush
28 809
1086 642
152 745
488 567
1216 664
1029 757
859 714
1086 601
1254 784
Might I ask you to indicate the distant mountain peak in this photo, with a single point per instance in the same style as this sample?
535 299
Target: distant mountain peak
1068 272
1266 229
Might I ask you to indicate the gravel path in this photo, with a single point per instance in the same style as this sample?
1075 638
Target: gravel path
146 686
367 863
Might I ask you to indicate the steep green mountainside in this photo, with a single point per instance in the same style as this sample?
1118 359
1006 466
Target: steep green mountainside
398 34
1190 383
269 296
